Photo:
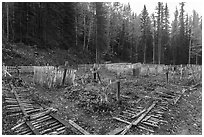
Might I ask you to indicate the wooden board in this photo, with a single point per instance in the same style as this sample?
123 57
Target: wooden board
176 100
115 131
78 127
36 131
124 121
138 120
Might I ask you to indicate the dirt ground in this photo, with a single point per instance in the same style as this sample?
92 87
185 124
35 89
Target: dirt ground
184 118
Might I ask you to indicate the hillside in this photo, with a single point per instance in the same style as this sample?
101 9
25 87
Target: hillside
20 54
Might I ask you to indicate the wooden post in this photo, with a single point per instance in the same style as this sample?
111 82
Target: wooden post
18 72
181 71
133 70
118 91
167 75
94 72
65 72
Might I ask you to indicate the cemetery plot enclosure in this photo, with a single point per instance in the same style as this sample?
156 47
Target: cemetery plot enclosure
145 103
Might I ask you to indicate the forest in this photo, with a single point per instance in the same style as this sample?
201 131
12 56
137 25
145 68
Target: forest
106 31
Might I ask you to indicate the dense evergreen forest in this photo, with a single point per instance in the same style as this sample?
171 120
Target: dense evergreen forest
106 31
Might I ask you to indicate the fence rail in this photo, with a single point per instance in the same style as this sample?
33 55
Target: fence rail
48 76
51 76
20 69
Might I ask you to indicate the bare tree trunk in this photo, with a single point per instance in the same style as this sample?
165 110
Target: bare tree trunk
108 36
136 50
96 42
132 50
7 18
27 21
3 15
132 43
189 53
84 32
76 31
174 53
89 31
12 26
159 49
20 30
145 51
153 49
89 36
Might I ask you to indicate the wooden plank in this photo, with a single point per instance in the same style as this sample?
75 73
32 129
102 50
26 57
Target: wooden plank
146 129
138 114
66 124
121 120
40 114
150 124
60 120
125 96
36 132
131 114
176 100
79 128
115 131
165 94
18 125
8 73
146 118
154 119
19 102
126 129
158 111
138 120
159 115
123 116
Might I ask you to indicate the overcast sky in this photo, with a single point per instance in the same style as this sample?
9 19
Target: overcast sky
138 5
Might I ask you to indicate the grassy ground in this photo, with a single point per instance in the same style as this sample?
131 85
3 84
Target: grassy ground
20 54
183 118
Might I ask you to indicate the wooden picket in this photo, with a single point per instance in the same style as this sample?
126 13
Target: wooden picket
21 69
51 76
